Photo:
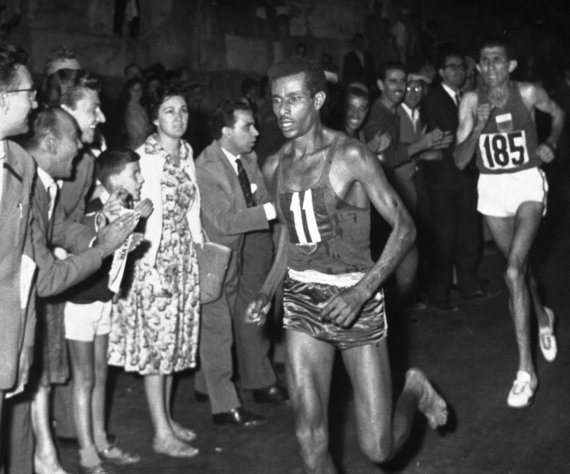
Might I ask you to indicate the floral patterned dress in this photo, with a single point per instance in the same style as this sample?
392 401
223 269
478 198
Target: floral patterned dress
154 327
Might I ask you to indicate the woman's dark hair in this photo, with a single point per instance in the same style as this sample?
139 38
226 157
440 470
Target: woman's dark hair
224 116
163 94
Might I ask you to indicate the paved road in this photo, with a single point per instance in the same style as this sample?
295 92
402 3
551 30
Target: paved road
471 356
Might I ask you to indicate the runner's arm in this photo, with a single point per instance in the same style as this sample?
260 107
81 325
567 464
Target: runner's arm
472 120
545 104
361 166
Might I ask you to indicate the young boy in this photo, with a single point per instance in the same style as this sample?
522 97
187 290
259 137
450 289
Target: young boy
88 322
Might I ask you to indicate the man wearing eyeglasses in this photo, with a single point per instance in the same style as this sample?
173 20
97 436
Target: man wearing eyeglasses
452 193
497 124
17 169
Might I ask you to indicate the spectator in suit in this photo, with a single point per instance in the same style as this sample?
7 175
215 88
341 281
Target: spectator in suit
53 144
17 318
455 225
358 65
236 212
408 182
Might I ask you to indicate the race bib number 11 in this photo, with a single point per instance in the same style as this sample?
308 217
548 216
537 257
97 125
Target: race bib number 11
503 151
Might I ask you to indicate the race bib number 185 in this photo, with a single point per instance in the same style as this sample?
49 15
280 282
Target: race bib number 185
503 151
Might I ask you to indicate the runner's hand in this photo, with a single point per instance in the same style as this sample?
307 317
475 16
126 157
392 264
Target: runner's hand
256 312
545 153
483 114
343 308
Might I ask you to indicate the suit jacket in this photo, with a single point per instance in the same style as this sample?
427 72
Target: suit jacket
54 275
439 110
17 317
354 70
407 135
73 193
225 215
382 119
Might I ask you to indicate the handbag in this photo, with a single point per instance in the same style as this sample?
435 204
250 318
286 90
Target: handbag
213 261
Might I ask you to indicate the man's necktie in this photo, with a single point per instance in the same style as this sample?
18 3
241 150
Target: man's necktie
245 184
52 195
457 98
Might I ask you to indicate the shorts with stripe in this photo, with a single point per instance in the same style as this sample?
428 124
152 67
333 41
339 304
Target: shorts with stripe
306 293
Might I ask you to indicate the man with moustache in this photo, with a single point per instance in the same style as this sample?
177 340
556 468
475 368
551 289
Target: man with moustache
236 212
323 184
497 124
384 118
17 170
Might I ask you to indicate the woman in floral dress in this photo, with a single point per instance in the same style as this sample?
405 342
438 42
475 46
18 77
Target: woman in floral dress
155 324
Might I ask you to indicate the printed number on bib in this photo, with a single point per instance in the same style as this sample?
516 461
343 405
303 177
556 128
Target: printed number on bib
306 228
503 151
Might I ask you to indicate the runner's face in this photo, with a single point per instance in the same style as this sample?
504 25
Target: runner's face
494 66
394 85
356 111
296 111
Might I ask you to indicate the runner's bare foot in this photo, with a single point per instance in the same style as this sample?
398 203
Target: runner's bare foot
431 404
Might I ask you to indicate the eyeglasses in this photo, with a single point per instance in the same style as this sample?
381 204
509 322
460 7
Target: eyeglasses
30 90
414 88
456 67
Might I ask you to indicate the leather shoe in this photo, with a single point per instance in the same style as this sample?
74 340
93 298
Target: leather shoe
201 396
239 417
273 394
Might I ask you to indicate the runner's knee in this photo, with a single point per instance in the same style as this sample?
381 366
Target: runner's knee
514 273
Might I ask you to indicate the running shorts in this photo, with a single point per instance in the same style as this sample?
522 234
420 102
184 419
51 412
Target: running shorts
500 195
306 293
